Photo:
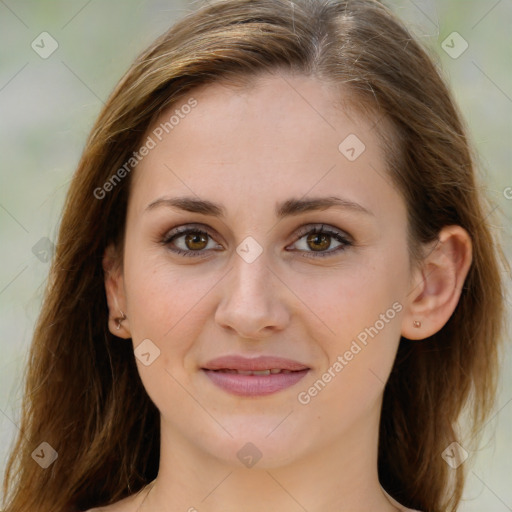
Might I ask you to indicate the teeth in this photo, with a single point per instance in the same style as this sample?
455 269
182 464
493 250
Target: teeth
272 371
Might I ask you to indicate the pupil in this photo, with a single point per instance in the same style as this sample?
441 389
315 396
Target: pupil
315 237
193 239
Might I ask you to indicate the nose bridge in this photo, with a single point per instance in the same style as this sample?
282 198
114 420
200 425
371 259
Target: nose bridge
251 259
250 303
251 276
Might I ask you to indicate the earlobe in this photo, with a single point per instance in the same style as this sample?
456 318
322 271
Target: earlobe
114 289
438 284
120 319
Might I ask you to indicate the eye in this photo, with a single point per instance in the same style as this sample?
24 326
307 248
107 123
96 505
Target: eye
319 238
194 241
187 241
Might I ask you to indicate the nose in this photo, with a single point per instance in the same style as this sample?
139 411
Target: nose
254 299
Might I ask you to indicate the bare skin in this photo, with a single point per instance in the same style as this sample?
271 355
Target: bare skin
248 150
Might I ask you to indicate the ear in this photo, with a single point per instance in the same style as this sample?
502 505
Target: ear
438 284
114 288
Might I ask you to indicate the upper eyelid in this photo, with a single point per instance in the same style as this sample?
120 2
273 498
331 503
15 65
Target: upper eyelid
300 232
184 229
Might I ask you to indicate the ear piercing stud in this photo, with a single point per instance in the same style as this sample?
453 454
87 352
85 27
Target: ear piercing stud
119 320
416 323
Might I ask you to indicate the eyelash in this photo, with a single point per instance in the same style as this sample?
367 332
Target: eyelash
184 230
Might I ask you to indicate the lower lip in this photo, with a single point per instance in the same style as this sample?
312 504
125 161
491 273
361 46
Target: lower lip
254 385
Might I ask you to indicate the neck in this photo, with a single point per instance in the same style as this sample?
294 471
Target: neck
340 475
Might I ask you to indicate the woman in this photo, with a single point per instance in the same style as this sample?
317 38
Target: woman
275 286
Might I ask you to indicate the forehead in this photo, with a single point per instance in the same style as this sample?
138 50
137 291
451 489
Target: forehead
280 136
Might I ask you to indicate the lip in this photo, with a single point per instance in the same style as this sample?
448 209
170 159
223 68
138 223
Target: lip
254 385
235 362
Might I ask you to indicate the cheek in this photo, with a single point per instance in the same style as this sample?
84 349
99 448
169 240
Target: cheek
165 301
360 307
347 299
165 307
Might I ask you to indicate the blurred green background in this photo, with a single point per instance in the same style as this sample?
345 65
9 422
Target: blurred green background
48 106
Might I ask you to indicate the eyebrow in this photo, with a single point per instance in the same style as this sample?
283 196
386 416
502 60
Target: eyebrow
284 209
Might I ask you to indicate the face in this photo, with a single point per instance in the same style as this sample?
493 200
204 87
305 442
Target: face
316 290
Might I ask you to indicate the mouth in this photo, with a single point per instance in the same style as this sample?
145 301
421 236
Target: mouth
254 376
272 371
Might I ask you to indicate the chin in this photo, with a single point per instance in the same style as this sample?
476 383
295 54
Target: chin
253 449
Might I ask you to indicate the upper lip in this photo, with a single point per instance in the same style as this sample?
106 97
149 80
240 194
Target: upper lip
236 362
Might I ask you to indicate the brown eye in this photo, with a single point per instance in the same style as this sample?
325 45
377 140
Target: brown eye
321 241
188 241
314 242
197 241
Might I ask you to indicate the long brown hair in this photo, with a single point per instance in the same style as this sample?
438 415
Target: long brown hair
82 381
